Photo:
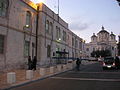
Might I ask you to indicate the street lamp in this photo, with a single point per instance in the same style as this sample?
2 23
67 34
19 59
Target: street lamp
58 40
38 1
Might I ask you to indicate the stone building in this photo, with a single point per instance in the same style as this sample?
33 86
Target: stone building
28 29
118 45
102 41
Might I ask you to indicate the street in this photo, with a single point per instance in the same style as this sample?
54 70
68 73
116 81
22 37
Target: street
90 77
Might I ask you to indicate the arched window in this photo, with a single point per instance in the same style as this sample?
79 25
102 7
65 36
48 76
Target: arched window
48 51
58 33
51 28
47 26
3 7
28 19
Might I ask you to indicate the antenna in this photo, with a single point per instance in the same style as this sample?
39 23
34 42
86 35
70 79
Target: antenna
58 10
58 7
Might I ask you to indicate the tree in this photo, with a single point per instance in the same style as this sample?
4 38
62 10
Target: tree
101 53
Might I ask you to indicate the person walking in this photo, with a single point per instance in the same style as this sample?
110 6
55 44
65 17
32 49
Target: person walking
34 63
117 62
78 62
29 63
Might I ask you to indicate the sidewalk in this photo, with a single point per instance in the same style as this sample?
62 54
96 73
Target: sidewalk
21 76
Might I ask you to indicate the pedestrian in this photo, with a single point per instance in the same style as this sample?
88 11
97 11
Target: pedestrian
117 62
78 62
29 63
34 62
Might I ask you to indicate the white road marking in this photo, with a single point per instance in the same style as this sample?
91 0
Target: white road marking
97 72
87 79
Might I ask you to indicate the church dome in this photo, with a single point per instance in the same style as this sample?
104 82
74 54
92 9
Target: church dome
112 34
103 30
93 35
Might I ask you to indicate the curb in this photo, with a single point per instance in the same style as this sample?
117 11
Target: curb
32 81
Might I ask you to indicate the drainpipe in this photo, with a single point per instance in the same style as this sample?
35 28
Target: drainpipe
37 20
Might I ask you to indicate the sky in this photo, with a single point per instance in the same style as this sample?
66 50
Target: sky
86 17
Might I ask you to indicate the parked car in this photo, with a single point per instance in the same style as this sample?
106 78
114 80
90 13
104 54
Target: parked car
108 62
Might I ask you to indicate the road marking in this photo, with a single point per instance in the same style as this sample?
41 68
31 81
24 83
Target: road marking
88 79
97 72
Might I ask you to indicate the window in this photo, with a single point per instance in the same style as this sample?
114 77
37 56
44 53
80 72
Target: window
27 48
28 19
1 44
51 28
73 41
87 49
76 43
48 50
73 54
47 26
64 36
58 33
80 45
3 7
113 48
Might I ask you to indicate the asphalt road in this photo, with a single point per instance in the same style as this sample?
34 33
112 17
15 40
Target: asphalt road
90 77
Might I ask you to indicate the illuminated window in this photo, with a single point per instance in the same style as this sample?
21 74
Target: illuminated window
3 7
27 48
28 19
1 44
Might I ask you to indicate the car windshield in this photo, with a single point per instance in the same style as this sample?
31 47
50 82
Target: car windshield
109 59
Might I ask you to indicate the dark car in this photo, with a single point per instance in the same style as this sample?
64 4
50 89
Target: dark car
108 62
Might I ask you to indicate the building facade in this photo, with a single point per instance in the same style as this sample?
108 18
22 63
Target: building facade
28 29
102 41
118 46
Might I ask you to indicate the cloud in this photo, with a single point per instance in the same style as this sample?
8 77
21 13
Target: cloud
78 25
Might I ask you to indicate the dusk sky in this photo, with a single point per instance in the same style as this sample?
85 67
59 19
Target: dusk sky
86 17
